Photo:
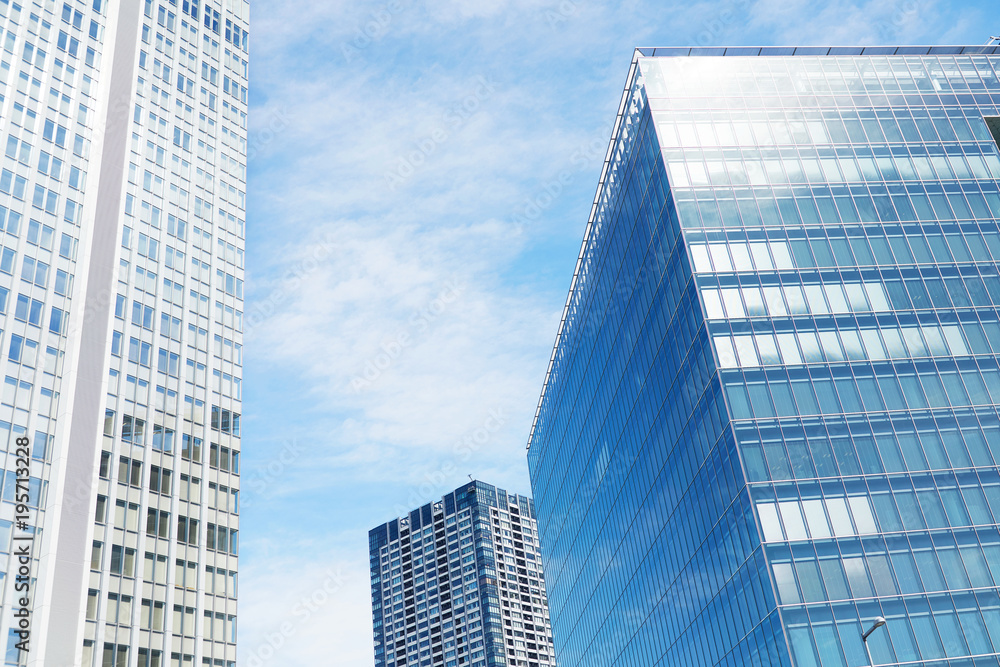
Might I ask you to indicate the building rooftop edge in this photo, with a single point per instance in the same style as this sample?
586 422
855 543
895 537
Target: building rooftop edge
746 51
467 487
689 51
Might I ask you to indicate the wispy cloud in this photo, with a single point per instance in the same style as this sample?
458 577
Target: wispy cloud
303 611
420 180
848 22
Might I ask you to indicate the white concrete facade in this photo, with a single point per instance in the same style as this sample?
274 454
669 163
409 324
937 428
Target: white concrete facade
122 209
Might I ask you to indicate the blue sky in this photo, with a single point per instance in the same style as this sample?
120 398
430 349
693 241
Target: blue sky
420 179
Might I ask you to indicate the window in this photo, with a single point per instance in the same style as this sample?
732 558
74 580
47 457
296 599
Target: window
133 430
222 497
221 538
155 570
224 459
215 626
126 515
105 469
40 235
173 292
186 86
12 184
170 326
77 178
236 35
163 438
139 352
166 18
64 283
70 45
31 54
116 655
184 620
101 511
119 610
210 74
92 598
18 150
159 480
7 262
56 320
191 448
28 310
122 561
176 226
130 471
229 283
186 574
157 523
55 134
190 489
212 18
187 530
75 18
168 362
148 247
22 350
150 618
10 221
174 259
142 315
49 165
225 420
34 271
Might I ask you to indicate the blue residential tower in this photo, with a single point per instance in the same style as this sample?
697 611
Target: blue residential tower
458 582
771 412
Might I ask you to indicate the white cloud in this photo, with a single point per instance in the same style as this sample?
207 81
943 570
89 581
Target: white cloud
304 609
848 22
342 262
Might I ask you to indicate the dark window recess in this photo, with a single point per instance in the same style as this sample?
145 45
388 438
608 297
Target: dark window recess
225 420
993 122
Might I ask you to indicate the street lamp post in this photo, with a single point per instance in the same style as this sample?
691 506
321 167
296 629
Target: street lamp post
879 622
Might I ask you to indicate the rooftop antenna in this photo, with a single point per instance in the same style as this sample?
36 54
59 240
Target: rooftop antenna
470 479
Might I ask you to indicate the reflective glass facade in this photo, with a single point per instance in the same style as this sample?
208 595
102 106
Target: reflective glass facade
771 411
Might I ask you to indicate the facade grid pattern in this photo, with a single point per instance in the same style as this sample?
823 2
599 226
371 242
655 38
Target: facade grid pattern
458 582
818 444
122 209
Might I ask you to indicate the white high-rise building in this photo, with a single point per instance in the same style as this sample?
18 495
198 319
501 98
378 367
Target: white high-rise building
122 211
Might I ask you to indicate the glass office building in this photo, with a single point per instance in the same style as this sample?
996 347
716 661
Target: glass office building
771 412
122 211
459 582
